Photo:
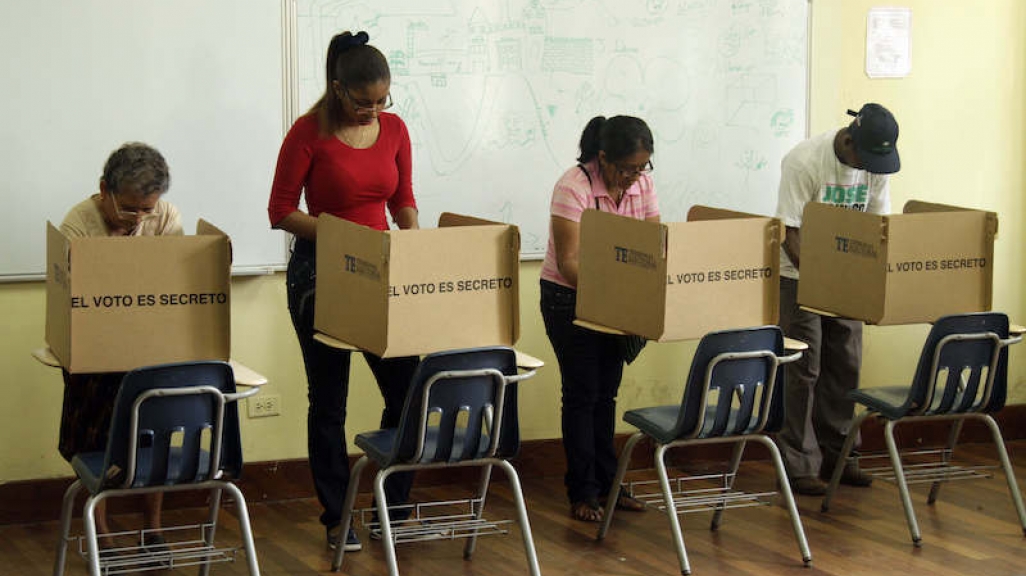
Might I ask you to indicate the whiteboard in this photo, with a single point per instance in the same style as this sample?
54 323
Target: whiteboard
496 93
202 81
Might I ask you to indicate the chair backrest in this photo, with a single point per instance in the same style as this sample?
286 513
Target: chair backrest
734 386
173 425
963 366
460 406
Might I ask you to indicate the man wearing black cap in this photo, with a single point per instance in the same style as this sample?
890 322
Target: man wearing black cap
845 168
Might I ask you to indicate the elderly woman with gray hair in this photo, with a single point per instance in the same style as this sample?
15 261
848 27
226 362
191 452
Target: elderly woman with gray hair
129 203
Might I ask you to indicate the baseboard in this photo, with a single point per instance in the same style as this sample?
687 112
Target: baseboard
40 500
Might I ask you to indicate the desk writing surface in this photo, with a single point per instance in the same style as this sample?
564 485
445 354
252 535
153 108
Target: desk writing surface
244 375
524 360
789 343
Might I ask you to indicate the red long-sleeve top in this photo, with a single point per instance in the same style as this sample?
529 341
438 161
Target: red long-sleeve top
355 184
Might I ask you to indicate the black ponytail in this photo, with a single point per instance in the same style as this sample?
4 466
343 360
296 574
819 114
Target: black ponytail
618 137
590 140
351 61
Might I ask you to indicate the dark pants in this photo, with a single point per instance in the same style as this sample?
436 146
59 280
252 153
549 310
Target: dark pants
327 375
817 411
591 365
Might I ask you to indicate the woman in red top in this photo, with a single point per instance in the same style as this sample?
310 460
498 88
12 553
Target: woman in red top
352 160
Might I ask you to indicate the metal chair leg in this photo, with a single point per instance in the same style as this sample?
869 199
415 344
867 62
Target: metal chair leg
347 511
842 458
899 477
67 507
735 463
208 538
621 471
245 530
1006 464
482 492
525 524
385 521
792 509
956 430
89 520
671 509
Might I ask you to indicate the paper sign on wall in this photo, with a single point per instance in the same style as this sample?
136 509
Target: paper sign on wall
888 42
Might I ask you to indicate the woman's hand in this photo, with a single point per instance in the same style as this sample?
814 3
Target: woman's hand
406 219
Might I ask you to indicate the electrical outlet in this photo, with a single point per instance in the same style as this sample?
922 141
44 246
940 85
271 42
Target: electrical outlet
264 405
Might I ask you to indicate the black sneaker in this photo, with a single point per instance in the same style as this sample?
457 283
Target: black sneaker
352 542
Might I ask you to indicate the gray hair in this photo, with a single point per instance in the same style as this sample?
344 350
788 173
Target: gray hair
138 166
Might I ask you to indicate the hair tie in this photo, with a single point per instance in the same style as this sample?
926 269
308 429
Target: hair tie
358 39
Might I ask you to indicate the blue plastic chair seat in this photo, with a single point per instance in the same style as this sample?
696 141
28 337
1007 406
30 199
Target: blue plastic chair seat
656 421
380 445
659 421
88 467
888 401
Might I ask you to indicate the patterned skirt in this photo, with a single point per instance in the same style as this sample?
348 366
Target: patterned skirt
86 415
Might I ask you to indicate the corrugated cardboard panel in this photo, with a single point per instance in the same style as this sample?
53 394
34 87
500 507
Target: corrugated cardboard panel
407 292
721 273
450 219
453 287
621 281
698 212
148 301
938 263
843 262
139 301
510 251
352 283
58 294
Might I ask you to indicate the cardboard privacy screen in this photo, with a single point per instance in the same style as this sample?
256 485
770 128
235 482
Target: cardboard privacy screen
678 281
118 303
917 266
407 292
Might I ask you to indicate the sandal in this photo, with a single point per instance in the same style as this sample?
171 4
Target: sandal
629 503
587 511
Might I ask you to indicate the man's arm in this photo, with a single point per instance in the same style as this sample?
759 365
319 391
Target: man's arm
792 244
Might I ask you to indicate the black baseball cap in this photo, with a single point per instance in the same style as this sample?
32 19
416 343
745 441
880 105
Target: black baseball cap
875 134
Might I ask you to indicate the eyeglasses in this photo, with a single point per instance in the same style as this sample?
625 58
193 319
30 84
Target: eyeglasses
362 108
632 171
138 214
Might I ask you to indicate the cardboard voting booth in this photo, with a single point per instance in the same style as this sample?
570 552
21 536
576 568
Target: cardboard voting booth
678 281
409 292
117 303
929 261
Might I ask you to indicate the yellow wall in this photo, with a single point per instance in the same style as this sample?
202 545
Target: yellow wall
962 142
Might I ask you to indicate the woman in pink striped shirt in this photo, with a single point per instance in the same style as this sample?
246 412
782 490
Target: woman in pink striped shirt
612 175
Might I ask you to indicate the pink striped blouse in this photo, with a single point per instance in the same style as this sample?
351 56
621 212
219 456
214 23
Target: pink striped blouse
572 195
